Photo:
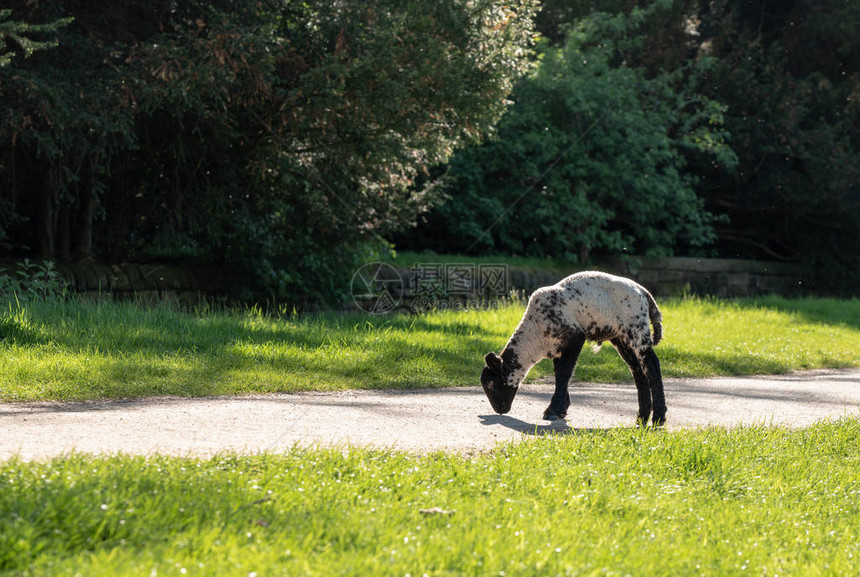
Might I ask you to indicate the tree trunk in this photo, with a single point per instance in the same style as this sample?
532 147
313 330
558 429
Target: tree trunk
83 234
47 217
62 234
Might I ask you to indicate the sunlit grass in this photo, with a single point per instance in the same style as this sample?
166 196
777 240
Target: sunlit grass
82 350
766 335
757 500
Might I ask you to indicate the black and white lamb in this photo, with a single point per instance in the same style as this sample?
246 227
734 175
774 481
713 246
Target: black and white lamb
592 306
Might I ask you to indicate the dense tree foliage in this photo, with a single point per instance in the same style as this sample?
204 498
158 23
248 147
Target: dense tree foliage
790 72
278 134
752 109
592 156
294 137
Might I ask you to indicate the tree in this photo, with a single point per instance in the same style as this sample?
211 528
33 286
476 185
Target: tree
789 72
592 156
19 35
17 38
278 134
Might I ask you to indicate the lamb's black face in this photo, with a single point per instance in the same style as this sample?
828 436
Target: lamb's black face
500 395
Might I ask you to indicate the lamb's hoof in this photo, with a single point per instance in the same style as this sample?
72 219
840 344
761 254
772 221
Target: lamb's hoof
551 415
655 423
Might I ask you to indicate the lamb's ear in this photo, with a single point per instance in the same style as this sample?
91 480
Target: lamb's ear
493 361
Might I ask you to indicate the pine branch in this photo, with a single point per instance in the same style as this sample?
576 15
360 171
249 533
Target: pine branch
18 33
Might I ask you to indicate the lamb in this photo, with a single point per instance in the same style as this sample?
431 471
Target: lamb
559 319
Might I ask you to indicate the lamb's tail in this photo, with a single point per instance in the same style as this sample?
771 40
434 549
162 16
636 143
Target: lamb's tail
656 319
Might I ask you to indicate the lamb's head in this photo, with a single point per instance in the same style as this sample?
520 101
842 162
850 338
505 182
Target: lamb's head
494 381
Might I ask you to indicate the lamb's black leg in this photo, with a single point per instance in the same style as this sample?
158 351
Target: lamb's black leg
563 367
655 380
642 389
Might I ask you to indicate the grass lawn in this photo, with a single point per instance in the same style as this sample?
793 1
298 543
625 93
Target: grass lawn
63 350
758 501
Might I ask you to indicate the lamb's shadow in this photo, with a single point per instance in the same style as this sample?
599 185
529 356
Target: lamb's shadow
553 428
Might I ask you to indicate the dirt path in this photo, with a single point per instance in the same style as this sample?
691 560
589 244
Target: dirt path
423 420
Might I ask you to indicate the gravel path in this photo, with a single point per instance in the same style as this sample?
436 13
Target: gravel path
422 420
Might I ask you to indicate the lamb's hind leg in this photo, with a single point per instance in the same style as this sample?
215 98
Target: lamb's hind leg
655 381
636 368
563 367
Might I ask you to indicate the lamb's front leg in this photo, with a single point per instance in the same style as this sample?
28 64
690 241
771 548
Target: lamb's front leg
563 367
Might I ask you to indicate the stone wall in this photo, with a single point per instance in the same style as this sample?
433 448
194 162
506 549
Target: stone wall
719 277
464 285
145 282
663 277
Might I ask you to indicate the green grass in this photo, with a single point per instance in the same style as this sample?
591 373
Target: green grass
757 500
753 500
63 350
